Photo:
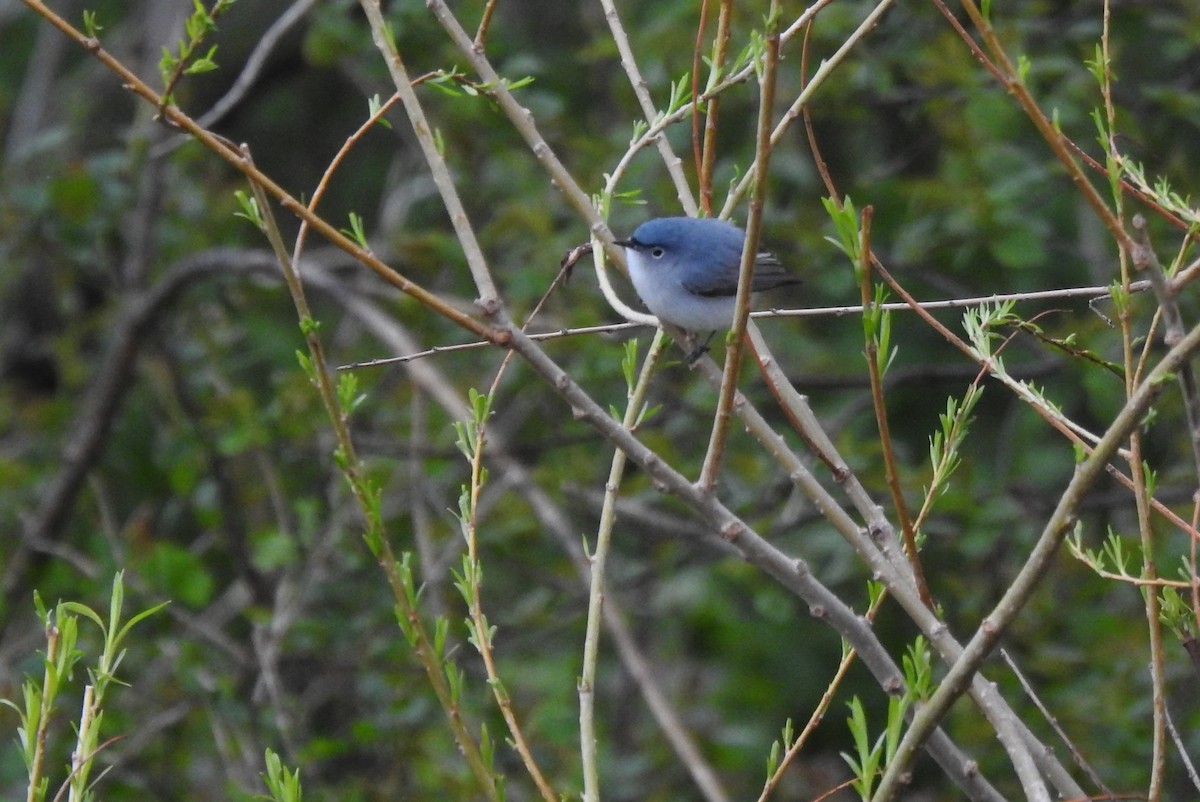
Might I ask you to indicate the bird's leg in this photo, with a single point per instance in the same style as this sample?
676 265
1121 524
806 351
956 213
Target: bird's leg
694 348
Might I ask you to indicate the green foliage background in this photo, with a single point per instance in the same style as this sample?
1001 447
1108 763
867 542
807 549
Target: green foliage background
214 486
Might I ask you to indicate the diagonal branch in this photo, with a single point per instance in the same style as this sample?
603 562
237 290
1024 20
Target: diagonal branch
230 153
791 572
1146 261
1057 527
735 339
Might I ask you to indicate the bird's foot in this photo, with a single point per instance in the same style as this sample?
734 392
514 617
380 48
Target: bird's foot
694 349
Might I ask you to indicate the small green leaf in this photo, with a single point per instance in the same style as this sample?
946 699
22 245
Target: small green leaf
374 104
1023 67
357 231
773 758
203 64
1176 614
845 222
249 209
309 326
90 26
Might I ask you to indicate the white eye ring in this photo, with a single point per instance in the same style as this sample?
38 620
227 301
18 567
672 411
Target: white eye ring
657 251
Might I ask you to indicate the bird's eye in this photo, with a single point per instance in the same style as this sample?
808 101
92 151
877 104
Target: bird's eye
657 252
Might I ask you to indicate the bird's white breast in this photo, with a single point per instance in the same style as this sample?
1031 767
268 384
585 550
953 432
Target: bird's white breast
669 300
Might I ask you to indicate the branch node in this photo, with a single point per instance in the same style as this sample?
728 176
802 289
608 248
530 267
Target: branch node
489 306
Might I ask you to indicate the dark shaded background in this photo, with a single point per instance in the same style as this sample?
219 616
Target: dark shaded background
145 337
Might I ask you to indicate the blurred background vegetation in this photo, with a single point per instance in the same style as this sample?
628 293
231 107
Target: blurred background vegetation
153 417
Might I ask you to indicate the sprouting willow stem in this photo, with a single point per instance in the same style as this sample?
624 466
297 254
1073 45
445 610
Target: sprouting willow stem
950 446
646 104
86 738
321 374
353 470
793 573
1146 261
1057 527
598 561
1013 83
218 8
490 302
479 622
822 707
708 158
697 143
879 403
45 702
1194 581
735 341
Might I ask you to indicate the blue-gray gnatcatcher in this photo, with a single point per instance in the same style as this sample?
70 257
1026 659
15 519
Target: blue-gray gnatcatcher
685 269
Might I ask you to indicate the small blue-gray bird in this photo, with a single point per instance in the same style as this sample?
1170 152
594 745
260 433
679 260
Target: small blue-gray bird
685 269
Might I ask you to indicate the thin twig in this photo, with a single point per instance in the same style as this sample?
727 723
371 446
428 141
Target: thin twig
230 153
334 163
708 160
485 22
818 79
1185 276
1146 261
1019 590
598 559
489 298
735 340
430 380
822 311
672 162
1076 755
697 143
879 404
1183 755
792 572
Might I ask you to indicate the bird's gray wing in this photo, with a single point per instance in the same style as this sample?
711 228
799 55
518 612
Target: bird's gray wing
768 274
